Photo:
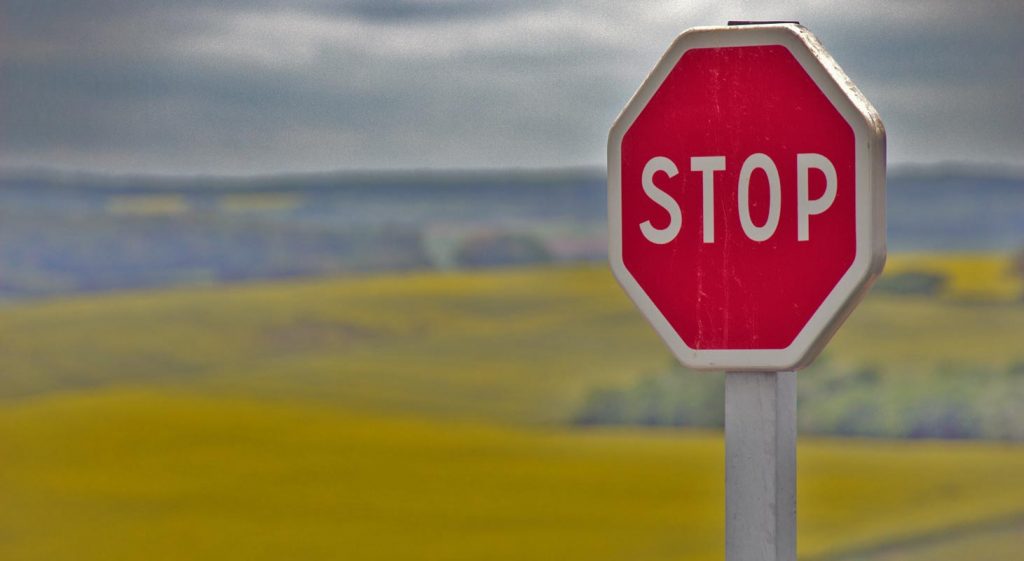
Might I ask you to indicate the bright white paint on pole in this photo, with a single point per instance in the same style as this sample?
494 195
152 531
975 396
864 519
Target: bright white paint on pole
760 466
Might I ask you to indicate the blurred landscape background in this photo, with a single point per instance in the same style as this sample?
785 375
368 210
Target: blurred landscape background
383 364
328 281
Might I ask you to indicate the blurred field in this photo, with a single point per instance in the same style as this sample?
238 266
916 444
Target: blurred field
260 202
147 204
122 473
970 276
423 416
513 346
510 345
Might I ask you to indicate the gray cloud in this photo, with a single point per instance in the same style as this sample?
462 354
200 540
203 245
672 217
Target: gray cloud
403 11
259 86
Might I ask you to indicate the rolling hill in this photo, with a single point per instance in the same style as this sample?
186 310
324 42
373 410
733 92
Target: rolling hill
426 415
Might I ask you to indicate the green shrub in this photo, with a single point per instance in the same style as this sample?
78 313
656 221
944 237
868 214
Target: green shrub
912 283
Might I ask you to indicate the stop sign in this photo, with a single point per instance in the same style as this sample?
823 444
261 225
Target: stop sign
746 193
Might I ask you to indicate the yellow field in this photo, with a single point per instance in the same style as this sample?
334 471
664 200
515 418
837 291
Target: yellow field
149 205
259 202
136 474
518 346
971 276
422 417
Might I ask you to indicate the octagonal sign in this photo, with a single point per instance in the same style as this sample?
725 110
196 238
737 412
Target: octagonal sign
746 197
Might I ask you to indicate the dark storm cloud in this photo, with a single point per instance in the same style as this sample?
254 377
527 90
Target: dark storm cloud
262 85
37 15
402 11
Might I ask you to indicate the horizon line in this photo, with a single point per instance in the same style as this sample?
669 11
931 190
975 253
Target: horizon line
981 169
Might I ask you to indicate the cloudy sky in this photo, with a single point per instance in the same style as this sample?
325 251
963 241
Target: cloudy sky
257 86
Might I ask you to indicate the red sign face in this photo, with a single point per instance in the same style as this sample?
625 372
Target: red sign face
746 188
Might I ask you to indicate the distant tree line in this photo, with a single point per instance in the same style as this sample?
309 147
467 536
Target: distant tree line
492 249
41 255
59 252
1018 263
957 402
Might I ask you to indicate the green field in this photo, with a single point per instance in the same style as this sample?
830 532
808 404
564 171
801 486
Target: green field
426 417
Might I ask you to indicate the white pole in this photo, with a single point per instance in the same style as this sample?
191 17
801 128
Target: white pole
760 466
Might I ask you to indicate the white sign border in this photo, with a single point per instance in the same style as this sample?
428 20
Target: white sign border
869 135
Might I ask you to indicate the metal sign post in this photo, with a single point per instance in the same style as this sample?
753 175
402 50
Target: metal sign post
760 466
